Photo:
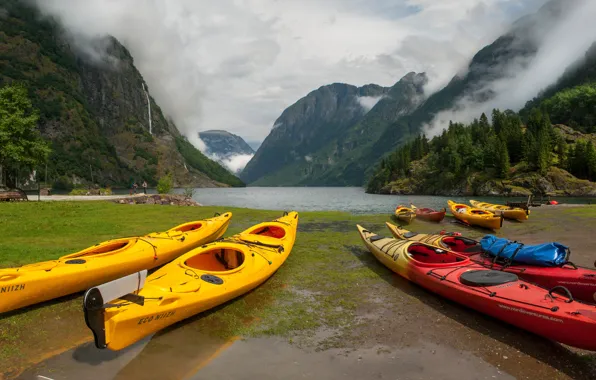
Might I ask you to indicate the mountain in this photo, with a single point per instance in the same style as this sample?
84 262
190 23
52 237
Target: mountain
316 137
224 144
349 158
228 149
94 107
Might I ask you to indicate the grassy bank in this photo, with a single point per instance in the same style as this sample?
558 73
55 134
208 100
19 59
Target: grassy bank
329 293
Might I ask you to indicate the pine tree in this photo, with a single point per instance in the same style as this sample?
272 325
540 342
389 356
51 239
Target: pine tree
515 138
503 164
483 122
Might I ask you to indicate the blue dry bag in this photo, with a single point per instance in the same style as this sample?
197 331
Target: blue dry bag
544 255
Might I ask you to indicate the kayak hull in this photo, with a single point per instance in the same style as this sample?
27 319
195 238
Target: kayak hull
430 215
474 216
405 214
34 283
196 282
516 302
514 213
581 282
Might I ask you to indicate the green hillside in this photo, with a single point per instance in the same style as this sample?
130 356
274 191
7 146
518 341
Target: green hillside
92 110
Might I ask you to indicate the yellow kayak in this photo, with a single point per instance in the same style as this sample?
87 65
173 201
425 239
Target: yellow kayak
508 212
405 214
112 259
450 240
124 311
475 216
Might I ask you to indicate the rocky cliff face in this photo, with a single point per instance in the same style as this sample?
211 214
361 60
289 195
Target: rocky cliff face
317 136
94 107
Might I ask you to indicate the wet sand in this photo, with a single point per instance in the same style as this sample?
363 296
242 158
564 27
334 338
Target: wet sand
399 330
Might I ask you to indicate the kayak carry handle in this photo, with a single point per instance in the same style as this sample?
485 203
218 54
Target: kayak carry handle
285 213
567 292
216 214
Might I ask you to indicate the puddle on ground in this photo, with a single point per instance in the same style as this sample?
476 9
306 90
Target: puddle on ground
273 358
176 354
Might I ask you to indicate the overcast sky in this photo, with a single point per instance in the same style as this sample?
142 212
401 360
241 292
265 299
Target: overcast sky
236 65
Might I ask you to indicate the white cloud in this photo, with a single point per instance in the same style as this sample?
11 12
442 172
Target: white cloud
560 45
234 163
237 64
368 102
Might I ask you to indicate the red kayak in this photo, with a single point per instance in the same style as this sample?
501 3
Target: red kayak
580 281
496 293
429 214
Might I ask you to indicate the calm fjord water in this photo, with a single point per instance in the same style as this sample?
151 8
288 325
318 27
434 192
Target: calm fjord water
348 199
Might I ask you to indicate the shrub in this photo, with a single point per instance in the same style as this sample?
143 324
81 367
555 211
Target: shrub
165 184
105 191
79 191
62 183
189 192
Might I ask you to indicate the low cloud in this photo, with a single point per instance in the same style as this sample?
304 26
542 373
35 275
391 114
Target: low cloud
236 65
368 102
235 163
560 45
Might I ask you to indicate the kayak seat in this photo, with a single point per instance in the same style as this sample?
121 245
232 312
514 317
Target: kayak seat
473 249
486 278
431 255
458 243
216 260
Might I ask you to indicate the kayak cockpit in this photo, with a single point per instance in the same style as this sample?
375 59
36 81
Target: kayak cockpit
187 227
269 230
429 255
109 247
216 260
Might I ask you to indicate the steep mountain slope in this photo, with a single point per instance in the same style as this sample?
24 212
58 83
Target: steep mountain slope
94 107
307 125
318 136
572 99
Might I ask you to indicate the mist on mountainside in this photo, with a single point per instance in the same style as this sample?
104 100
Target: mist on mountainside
211 65
561 41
